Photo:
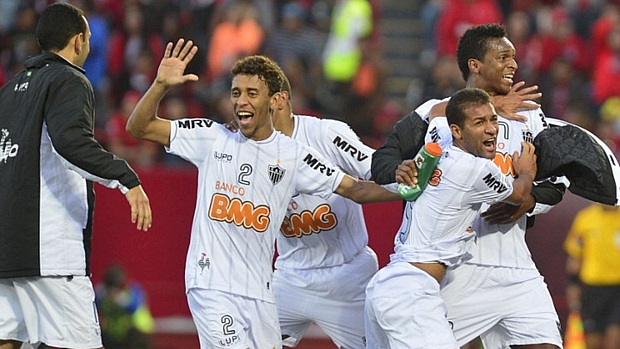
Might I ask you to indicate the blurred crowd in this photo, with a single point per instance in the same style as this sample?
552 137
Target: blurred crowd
331 50
325 48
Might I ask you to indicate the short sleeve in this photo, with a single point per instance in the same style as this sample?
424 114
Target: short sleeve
490 185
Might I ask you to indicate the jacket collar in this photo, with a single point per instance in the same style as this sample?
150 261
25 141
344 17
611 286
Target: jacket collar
45 58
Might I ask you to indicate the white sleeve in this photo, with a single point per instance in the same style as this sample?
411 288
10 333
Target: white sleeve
425 108
490 185
315 174
439 132
344 148
191 138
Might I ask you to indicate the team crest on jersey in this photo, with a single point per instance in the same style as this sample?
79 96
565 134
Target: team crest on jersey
527 135
203 262
276 173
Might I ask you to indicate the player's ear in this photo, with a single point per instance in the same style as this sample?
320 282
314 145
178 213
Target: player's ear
274 102
77 41
474 65
456 131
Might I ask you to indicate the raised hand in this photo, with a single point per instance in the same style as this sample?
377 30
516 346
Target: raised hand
517 99
171 69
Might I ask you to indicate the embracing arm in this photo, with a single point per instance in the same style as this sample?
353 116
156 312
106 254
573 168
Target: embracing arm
403 143
364 191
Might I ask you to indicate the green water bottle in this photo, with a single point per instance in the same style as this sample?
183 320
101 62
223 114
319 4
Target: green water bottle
426 161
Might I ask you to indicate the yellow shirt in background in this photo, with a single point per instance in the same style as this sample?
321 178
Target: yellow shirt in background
594 238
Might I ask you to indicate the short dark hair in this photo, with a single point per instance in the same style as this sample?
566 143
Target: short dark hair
462 100
286 86
263 67
475 43
58 23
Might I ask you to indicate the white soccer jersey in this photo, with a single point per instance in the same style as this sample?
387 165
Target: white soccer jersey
437 226
319 232
498 244
244 187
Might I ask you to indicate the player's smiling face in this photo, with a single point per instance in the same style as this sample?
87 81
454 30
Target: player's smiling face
251 101
498 69
478 135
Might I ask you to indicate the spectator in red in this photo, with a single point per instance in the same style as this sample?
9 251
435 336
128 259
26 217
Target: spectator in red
528 45
562 41
460 15
136 152
130 44
610 17
607 72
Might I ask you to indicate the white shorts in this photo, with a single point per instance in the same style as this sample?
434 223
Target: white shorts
404 310
333 298
56 310
229 321
504 306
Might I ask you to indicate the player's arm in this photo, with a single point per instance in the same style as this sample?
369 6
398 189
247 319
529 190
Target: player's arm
517 99
525 167
364 191
144 122
403 143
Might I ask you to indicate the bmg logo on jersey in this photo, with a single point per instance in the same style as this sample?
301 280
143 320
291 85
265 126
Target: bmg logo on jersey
309 222
240 213
504 162
7 148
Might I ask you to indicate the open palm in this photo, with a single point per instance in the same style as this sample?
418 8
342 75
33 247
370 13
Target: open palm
171 70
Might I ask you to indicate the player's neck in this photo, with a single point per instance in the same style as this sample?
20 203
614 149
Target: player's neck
285 124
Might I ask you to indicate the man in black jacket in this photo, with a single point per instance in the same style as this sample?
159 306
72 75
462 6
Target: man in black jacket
48 162
499 294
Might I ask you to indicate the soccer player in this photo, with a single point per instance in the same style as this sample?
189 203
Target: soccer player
507 302
246 180
323 262
404 308
49 160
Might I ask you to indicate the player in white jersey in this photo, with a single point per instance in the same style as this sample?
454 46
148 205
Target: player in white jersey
324 262
508 303
245 182
404 308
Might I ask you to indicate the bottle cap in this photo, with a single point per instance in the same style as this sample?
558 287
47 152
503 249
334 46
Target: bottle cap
433 148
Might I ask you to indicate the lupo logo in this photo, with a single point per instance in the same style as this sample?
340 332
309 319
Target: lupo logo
222 157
